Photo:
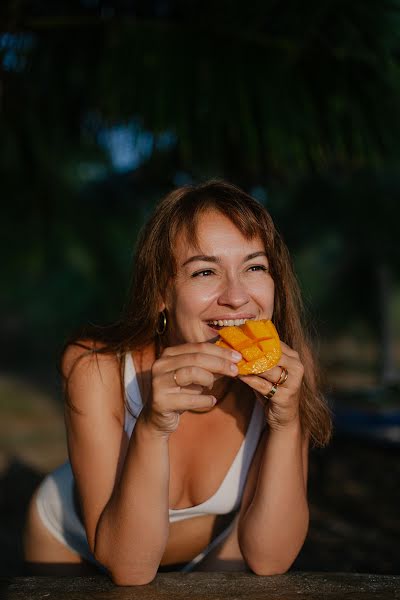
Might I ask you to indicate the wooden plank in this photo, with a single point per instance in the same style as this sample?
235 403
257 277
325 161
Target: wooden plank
208 586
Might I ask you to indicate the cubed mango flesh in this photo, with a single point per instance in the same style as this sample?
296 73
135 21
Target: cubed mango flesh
252 352
235 337
267 345
257 341
256 330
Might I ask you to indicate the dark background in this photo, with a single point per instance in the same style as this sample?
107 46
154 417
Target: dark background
105 107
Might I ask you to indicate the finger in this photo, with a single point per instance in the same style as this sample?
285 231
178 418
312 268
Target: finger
204 348
192 388
290 359
289 351
184 401
211 363
291 364
261 385
275 374
185 376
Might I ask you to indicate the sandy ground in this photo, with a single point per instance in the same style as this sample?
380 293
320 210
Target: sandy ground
353 490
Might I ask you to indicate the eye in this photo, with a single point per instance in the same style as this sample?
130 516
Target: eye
204 273
254 268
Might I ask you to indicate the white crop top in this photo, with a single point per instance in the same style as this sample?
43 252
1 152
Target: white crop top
229 495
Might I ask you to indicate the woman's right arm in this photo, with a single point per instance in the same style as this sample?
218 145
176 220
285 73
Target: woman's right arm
133 528
123 485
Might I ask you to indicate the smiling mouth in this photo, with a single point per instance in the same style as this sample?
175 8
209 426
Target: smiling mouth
226 323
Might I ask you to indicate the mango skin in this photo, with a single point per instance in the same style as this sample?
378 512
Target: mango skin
264 338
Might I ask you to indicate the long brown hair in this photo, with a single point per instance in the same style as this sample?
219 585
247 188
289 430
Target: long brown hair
155 266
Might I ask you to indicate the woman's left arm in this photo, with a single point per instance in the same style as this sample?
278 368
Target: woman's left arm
274 519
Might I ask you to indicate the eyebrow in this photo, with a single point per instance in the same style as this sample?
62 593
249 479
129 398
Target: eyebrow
215 259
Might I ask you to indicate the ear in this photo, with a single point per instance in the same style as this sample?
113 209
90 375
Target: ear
161 306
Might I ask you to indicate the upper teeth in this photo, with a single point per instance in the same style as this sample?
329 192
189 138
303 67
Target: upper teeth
229 322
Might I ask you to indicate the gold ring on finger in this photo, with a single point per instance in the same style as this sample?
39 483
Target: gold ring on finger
176 383
283 376
271 392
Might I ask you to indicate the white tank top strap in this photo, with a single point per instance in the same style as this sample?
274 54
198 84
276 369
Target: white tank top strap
134 403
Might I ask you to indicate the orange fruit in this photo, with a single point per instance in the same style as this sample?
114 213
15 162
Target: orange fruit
257 341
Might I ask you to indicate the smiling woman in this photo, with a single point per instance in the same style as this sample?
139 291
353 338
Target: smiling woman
176 461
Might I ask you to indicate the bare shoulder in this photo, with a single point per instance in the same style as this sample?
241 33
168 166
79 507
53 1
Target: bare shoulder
85 353
92 379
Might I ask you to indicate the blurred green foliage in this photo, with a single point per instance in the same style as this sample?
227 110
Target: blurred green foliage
297 102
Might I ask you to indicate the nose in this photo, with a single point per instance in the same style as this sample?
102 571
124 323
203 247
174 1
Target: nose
233 293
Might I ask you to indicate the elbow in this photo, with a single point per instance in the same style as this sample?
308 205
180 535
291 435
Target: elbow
278 558
266 564
127 574
269 569
271 565
122 577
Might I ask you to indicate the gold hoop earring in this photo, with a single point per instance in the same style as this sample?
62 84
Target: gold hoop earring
162 323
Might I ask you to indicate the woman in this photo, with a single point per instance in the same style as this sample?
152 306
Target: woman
176 462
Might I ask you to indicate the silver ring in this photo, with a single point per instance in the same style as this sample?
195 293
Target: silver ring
271 392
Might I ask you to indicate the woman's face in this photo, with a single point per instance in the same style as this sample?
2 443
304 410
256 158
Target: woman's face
223 282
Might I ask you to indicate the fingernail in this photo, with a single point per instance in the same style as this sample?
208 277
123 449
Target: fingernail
234 369
236 356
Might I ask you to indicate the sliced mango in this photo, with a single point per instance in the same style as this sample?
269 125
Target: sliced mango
272 330
235 337
257 341
257 330
241 364
252 353
267 345
267 361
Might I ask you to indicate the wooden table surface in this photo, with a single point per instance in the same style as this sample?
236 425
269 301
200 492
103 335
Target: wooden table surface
208 586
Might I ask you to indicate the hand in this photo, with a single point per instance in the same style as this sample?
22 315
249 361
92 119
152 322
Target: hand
179 377
283 407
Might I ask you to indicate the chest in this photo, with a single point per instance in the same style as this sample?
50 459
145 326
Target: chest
204 446
202 452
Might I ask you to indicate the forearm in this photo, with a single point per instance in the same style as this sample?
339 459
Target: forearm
273 529
133 529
